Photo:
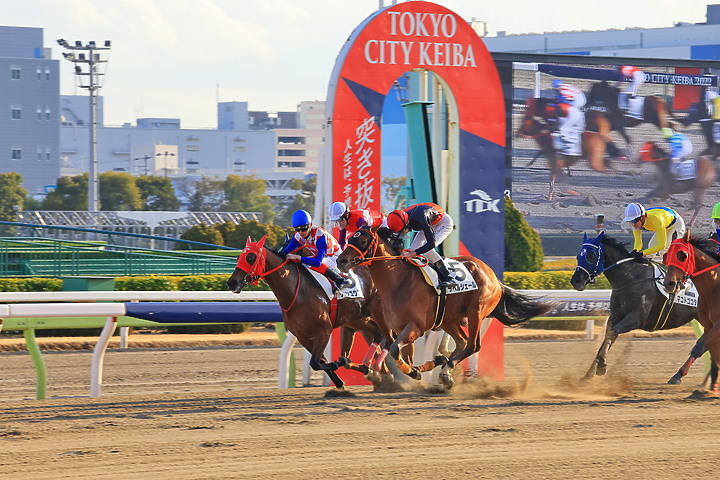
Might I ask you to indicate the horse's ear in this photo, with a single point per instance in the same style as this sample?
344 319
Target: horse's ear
686 237
601 236
248 241
585 239
261 242
375 228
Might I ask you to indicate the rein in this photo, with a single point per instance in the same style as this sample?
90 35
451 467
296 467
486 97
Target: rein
361 259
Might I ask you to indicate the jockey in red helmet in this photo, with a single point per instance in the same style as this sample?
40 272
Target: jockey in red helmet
433 225
349 221
317 240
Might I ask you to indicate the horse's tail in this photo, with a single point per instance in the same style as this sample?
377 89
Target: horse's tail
515 308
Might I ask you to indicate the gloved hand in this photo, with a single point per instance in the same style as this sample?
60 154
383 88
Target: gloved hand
636 255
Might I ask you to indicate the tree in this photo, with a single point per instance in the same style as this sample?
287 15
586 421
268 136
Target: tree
118 191
255 230
305 200
200 233
247 194
71 193
205 195
12 196
157 193
523 248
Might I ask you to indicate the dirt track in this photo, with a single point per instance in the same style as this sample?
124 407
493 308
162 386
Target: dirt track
213 413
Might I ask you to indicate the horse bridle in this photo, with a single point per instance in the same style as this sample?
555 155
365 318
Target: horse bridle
687 266
597 269
361 259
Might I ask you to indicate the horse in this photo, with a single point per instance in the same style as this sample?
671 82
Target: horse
308 312
539 122
411 304
709 126
635 301
694 177
604 98
698 258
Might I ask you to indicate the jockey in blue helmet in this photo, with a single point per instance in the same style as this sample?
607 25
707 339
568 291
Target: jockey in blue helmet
325 249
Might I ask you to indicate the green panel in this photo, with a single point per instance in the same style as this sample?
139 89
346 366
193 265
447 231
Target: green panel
88 284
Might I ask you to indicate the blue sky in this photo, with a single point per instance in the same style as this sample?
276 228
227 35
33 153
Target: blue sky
177 58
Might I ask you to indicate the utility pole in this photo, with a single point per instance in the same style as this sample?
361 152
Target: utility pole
146 158
86 59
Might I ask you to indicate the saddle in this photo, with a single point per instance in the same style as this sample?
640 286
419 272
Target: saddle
688 295
464 281
352 288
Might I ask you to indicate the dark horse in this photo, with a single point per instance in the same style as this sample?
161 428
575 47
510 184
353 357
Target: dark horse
698 258
307 311
604 99
670 183
710 126
540 121
635 301
411 304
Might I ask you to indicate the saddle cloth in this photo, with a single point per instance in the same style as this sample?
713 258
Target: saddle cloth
685 170
688 295
352 289
464 280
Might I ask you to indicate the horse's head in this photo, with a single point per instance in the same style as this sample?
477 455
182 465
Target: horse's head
590 262
534 121
250 265
360 247
603 93
680 259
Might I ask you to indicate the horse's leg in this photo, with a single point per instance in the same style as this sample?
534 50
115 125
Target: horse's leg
599 364
714 373
318 361
409 334
697 351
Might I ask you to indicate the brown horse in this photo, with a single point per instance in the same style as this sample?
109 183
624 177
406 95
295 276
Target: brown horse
692 257
539 123
669 184
307 311
411 304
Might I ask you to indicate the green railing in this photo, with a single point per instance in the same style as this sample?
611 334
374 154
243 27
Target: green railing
50 257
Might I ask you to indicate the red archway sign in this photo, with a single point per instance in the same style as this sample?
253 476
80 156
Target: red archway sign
392 41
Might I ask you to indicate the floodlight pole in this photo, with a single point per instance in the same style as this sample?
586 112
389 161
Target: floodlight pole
93 85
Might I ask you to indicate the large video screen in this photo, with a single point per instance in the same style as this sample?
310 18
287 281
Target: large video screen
604 168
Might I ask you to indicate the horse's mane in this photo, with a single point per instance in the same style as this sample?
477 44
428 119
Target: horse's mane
707 246
616 244
392 238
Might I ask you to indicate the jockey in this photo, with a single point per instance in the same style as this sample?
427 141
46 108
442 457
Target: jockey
571 125
349 221
319 241
568 93
636 76
680 146
433 225
665 222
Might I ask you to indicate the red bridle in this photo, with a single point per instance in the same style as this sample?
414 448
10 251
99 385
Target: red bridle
361 259
687 266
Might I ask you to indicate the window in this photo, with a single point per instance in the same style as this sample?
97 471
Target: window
39 73
47 114
239 149
39 153
47 74
291 153
15 73
39 113
192 148
15 113
47 154
292 140
16 153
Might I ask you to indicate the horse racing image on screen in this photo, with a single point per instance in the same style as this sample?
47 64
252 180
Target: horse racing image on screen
588 139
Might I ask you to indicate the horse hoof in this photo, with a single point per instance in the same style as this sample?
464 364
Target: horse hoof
342 362
415 374
364 369
675 380
601 370
446 380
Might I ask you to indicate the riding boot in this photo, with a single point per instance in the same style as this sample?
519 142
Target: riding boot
443 274
337 278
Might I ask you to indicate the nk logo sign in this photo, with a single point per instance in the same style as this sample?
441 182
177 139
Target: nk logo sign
483 203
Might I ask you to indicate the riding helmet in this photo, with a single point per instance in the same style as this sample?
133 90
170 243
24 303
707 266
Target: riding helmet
716 211
301 218
337 211
397 220
633 211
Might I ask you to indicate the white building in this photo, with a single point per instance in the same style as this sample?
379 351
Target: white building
688 41
160 146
